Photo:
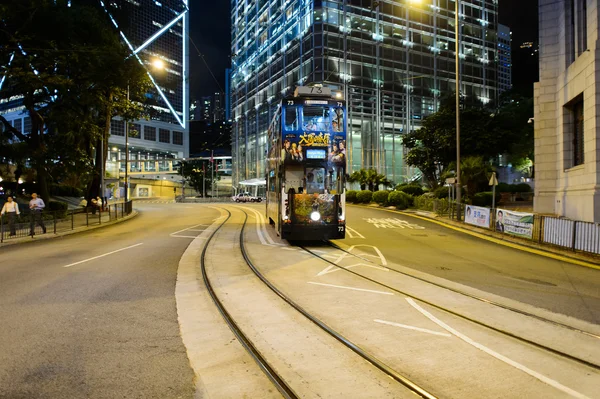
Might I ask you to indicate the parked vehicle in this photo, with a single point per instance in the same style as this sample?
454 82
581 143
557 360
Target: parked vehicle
245 197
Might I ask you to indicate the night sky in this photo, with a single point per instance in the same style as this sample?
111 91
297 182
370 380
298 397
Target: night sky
210 31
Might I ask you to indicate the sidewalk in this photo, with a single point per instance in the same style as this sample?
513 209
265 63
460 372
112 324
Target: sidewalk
577 258
79 223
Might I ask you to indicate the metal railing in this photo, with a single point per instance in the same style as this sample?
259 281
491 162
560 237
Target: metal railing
572 234
61 221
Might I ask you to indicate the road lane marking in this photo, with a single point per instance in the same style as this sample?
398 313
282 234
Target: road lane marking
349 252
106 254
412 328
188 228
351 288
179 236
353 233
498 356
333 269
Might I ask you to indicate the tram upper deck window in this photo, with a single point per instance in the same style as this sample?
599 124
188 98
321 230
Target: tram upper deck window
291 118
316 118
337 119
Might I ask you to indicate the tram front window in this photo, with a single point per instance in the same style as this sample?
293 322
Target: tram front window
315 181
316 118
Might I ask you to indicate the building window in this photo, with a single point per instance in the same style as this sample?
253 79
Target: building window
149 133
117 128
164 135
178 138
27 125
581 26
135 131
578 132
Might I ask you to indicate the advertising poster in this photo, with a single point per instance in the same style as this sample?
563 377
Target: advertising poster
515 223
478 216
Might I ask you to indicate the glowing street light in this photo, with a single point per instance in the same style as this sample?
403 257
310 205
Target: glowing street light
158 64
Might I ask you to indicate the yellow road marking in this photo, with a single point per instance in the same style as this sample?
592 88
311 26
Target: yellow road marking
501 242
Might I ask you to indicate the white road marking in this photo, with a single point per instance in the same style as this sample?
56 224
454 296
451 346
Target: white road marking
289 249
262 222
333 269
188 228
196 229
353 233
102 256
498 356
412 328
351 288
179 236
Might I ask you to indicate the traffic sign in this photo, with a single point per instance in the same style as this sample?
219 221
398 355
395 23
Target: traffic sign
493 180
450 180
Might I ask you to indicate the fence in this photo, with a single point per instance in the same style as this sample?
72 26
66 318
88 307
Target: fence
565 233
60 221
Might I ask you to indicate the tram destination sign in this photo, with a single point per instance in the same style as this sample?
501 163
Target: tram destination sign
308 91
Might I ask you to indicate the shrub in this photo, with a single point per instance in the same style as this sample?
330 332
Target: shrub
503 188
59 207
441 192
381 197
351 196
411 189
400 199
485 198
522 188
364 197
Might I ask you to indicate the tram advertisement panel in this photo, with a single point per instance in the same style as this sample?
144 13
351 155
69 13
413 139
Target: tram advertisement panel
306 204
321 127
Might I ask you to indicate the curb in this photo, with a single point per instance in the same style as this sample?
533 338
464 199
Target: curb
519 245
28 239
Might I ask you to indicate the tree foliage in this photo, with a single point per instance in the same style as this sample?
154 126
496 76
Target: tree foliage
484 133
72 70
198 174
369 178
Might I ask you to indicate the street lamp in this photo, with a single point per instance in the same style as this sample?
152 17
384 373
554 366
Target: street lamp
457 62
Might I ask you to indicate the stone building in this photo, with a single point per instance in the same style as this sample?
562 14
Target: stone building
567 107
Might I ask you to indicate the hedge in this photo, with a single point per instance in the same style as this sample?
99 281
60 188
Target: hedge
412 189
485 198
364 197
351 195
65 191
381 197
399 199
59 207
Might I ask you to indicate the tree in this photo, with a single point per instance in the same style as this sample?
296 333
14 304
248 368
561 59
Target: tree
474 172
484 133
72 70
369 178
198 174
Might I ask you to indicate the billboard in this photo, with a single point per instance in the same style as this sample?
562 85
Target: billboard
514 223
477 216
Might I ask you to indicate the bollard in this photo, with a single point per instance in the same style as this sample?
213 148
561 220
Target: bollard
87 218
72 220
1 229
54 219
100 215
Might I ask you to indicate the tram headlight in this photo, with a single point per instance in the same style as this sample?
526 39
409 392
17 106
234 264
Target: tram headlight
315 216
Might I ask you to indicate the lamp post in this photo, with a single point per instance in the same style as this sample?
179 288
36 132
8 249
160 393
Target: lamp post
457 62
127 151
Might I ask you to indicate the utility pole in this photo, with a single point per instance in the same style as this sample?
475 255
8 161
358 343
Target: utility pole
127 151
457 62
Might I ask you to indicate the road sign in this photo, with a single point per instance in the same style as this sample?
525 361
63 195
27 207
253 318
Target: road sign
450 180
493 180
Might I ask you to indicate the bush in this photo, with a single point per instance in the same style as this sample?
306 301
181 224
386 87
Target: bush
411 189
400 199
485 198
503 188
428 203
364 197
381 197
441 192
522 188
59 207
351 196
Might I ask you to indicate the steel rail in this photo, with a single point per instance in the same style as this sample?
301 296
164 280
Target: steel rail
264 365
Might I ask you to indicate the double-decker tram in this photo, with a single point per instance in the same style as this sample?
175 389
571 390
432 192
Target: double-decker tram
306 166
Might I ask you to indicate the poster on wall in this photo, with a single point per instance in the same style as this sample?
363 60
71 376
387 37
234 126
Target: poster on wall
514 223
477 216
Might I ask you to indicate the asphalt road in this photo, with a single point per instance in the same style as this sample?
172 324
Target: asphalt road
103 328
536 280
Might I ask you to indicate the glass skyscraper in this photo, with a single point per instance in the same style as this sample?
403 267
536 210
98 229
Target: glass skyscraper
394 60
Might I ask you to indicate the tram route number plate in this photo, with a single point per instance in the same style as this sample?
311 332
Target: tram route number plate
341 229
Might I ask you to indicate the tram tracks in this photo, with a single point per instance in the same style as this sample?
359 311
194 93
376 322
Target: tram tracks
462 316
265 365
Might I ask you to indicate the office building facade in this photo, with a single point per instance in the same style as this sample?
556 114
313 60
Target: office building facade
394 60
504 58
567 108
157 33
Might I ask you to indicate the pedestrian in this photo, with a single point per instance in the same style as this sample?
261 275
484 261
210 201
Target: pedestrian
11 208
99 203
36 205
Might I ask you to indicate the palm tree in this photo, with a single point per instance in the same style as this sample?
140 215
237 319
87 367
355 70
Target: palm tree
369 178
473 173
360 177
